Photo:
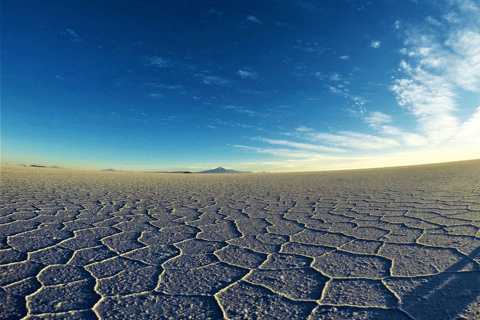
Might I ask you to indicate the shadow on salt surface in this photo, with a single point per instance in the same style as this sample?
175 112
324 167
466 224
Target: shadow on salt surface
444 296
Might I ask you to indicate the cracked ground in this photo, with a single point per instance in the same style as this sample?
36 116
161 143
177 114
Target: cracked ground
397 243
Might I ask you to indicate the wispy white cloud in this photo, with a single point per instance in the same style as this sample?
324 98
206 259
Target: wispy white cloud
72 33
161 85
253 19
354 140
433 21
442 60
335 77
303 129
214 11
310 47
214 80
375 44
436 69
302 146
375 119
156 95
241 110
247 74
159 62
381 121
283 152
344 57
358 112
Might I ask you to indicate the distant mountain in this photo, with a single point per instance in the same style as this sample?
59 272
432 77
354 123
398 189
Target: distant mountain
223 170
111 170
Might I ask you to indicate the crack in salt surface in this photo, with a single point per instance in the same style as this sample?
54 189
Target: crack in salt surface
399 243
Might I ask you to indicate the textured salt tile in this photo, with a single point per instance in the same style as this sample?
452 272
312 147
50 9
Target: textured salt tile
444 240
358 293
52 255
462 230
58 274
367 233
298 215
5 220
87 256
158 306
362 246
110 222
415 260
221 231
207 218
247 301
153 255
353 313
320 238
448 221
24 287
472 250
110 267
441 296
469 216
77 225
37 239
123 242
206 280
252 226
304 249
132 226
252 243
340 227
70 315
423 225
190 261
131 204
330 218
285 261
233 214
346 265
269 238
6 208
404 235
12 307
166 222
241 257
23 215
305 283
283 227
11 255
168 235
128 282
65 297
88 238
256 213
17 271
198 246
377 223
399 219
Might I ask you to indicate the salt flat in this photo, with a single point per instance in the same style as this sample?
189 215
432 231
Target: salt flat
397 243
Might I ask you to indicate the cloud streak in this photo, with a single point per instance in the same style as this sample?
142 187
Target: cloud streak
247 74
159 62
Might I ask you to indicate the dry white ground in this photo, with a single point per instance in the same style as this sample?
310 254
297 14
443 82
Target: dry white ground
398 243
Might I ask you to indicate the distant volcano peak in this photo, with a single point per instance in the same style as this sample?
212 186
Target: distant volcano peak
222 170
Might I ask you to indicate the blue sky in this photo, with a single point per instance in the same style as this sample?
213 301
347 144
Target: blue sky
249 85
